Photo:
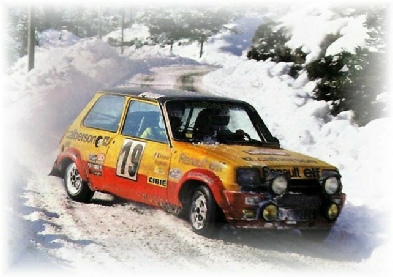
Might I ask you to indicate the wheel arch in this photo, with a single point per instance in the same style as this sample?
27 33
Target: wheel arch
193 179
69 156
187 190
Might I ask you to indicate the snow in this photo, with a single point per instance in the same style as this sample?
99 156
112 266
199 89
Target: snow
39 105
319 21
136 32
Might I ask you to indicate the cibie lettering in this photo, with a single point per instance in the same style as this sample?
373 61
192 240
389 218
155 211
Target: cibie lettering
83 137
156 181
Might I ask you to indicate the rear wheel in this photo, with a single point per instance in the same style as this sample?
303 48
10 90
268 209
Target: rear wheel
77 189
202 212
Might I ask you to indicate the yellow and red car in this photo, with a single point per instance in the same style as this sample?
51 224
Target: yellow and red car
208 157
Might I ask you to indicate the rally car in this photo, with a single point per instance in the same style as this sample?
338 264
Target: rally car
208 157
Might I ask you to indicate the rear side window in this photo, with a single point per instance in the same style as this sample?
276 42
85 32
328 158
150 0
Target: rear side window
106 113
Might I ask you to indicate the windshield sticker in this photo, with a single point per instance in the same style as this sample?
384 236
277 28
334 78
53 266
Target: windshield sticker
266 152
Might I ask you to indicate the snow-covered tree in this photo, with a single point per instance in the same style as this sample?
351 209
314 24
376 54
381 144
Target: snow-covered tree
355 81
165 26
269 42
174 24
204 23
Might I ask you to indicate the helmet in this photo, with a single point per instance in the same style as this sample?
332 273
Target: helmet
220 117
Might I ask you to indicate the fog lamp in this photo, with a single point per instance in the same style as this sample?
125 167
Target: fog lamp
270 212
247 214
332 211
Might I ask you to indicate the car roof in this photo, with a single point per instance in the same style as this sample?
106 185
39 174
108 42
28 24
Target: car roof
162 95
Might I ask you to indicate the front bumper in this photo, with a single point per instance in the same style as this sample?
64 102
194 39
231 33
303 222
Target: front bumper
293 211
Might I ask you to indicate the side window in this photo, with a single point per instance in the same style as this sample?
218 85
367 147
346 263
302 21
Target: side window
144 120
106 113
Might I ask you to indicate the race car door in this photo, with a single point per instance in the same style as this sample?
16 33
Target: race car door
98 129
140 156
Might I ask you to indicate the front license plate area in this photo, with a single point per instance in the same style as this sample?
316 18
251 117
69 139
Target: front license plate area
296 215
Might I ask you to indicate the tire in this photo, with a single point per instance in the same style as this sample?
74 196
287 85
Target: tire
202 212
76 188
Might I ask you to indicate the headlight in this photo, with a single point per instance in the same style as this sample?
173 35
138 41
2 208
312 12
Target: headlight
279 184
249 177
331 185
330 181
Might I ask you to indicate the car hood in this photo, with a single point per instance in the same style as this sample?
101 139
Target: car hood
296 164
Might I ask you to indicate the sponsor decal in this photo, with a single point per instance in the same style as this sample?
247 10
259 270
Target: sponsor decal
159 170
95 169
83 137
202 176
97 158
204 163
296 172
266 152
161 163
279 159
175 173
157 181
158 155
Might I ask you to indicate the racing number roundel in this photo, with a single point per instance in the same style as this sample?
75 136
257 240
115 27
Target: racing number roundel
129 159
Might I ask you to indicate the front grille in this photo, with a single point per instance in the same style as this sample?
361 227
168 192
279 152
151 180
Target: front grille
300 201
305 186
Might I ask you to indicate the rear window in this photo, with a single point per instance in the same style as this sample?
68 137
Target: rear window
106 113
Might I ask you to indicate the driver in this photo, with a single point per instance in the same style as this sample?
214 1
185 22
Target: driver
212 123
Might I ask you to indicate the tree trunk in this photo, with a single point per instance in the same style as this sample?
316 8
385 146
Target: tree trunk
201 49
31 38
99 31
122 30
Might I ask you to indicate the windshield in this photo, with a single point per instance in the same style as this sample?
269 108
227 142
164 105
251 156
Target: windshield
216 121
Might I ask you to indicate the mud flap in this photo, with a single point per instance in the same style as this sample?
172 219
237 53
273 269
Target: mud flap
55 171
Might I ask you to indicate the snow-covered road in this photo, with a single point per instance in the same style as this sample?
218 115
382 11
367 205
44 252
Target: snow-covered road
51 232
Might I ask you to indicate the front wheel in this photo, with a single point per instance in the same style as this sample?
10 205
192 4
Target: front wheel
202 212
77 189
